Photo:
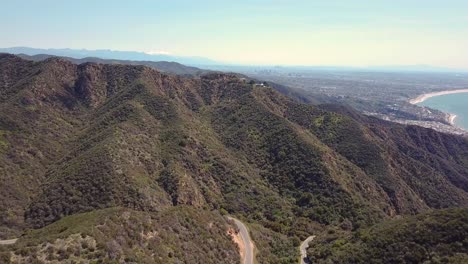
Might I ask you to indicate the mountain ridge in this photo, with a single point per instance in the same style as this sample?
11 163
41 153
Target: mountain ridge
93 136
163 66
108 54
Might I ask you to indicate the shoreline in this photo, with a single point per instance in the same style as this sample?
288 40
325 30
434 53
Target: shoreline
424 97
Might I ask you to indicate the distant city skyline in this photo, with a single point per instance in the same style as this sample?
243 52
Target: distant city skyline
259 32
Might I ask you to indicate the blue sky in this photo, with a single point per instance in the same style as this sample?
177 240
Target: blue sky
287 32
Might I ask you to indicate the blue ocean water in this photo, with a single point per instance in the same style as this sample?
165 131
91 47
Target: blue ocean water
451 103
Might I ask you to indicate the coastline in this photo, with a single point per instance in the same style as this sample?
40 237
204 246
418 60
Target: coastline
450 117
424 97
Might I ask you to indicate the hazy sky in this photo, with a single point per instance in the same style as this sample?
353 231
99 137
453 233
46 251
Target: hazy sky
307 32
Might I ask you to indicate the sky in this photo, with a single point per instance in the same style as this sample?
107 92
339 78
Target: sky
260 32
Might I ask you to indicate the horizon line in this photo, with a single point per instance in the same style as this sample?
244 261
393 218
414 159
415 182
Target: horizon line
279 65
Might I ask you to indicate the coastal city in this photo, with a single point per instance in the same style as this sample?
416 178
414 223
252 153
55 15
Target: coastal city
391 96
439 126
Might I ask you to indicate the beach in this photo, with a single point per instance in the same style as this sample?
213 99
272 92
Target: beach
424 97
450 117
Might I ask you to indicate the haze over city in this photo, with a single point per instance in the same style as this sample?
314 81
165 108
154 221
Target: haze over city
259 32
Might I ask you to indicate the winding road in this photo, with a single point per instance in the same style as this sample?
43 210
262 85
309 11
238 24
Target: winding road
8 241
303 249
244 234
249 245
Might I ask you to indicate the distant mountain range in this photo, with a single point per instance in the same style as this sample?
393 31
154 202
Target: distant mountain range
109 54
212 64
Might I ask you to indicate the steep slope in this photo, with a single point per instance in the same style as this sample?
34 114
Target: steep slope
434 237
118 235
79 138
36 124
410 163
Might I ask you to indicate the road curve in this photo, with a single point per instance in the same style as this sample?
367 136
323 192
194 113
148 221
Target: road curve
8 241
303 249
249 245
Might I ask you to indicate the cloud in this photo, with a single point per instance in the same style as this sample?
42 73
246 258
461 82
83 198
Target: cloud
158 52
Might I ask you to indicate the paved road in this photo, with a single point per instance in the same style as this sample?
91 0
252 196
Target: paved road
8 242
303 249
249 245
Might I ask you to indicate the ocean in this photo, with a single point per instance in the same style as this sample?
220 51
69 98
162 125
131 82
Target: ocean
451 103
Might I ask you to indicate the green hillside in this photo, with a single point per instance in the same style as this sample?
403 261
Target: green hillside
116 235
434 237
81 138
